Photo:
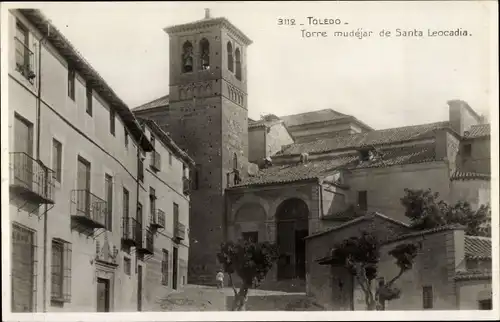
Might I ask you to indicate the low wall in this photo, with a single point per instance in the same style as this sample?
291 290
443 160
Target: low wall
292 302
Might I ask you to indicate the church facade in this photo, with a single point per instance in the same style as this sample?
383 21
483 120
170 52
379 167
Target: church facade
282 179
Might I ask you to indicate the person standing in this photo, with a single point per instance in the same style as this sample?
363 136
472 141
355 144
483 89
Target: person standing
220 279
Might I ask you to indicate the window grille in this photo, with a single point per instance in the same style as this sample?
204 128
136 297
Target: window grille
164 268
61 270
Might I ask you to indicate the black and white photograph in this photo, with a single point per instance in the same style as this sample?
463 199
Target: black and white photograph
184 160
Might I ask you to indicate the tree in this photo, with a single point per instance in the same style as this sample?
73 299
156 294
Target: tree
250 261
426 211
361 256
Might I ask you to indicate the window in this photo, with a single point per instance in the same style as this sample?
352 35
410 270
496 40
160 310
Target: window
164 268
89 99
109 200
140 174
152 201
235 161
23 276
112 121
204 54
230 59
187 57
127 265
238 63
427 297
61 271
126 138
363 200
197 176
176 214
71 83
24 55
252 236
57 159
169 158
126 203
467 150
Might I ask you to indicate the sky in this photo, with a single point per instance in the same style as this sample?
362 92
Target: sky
384 82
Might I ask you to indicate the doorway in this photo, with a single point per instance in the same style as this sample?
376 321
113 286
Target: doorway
139 288
174 268
102 295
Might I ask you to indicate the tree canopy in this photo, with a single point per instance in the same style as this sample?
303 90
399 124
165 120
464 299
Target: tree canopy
426 211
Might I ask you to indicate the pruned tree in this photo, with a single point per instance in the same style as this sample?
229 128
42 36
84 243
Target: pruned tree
426 211
361 256
250 261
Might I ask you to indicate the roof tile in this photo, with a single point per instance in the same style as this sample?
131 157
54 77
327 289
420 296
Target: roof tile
357 140
159 102
461 175
477 247
477 131
321 168
312 117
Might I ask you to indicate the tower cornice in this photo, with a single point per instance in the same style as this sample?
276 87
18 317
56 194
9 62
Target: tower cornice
209 23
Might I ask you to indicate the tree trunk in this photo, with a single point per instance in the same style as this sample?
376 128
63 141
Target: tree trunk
240 299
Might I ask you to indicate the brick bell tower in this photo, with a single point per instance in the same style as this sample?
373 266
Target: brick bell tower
207 116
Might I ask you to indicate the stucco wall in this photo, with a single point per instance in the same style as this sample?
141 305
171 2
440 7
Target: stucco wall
480 157
476 192
87 136
320 283
385 186
471 292
276 138
256 144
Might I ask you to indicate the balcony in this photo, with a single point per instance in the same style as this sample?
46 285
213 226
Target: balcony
30 179
186 186
25 60
88 209
179 231
157 219
155 161
147 246
132 232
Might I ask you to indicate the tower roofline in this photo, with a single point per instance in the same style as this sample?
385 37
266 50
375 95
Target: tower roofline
208 23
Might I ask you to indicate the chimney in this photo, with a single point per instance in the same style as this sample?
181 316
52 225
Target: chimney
207 13
304 158
462 116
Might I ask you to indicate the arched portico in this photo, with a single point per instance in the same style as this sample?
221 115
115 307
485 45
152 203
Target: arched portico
292 226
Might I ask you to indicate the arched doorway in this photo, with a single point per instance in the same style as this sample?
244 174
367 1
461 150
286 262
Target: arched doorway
292 226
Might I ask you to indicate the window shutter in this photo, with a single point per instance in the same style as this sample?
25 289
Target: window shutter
67 272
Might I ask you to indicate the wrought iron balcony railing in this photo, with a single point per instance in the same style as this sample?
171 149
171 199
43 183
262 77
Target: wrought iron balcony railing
157 219
88 209
179 231
25 60
186 185
30 179
155 161
132 232
147 246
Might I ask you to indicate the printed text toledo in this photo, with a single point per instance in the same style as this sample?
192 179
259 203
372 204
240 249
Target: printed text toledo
331 27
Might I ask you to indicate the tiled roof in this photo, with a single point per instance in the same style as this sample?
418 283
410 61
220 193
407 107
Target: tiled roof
312 117
377 137
369 216
477 131
159 102
320 168
460 175
83 67
425 232
477 247
467 276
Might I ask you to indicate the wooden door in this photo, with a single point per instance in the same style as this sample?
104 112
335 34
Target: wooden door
23 145
175 268
102 295
286 244
300 253
139 288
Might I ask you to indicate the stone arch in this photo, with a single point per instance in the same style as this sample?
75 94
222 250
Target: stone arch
292 225
204 54
237 56
230 59
187 57
273 207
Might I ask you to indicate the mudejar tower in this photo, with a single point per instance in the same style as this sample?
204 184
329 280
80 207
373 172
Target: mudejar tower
207 116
